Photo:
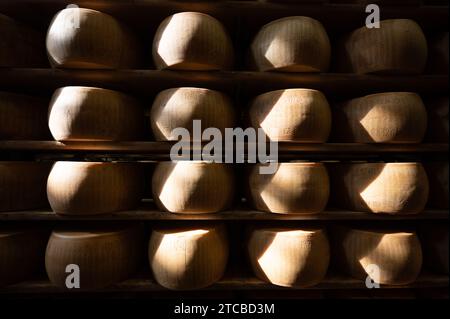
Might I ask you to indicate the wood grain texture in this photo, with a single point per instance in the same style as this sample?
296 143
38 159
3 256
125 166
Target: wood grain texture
397 47
104 255
292 115
79 113
87 188
178 107
438 123
89 39
188 258
295 188
398 254
192 41
23 117
22 185
191 187
291 44
289 257
435 240
22 253
437 173
391 188
393 117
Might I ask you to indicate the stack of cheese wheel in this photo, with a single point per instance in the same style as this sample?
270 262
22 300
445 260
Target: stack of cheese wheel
21 254
85 38
398 46
437 173
435 241
98 256
394 117
296 187
192 41
20 46
85 188
292 44
22 185
188 258
391 188
22 117
193 186
79 113
179 107
300 115
289 257
387 257
438 125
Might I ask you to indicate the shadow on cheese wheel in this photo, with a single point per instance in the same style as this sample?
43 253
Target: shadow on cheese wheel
434 239
188 258
437 173
20 46
178 107
192 41
389 257
300 115
103 255
22 252
397 47
88 188
82 38
79 113
289 257
391 188
23 117
22 185
291 44
191 187
394 117
295 187
437 130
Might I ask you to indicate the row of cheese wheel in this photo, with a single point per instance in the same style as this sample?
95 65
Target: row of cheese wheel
85 38
195 257
301 115
190 187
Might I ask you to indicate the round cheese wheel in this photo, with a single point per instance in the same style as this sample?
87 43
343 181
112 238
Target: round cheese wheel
394 117
299 115
193 186
79 113
178 107
22 185
88 39
188 258
437 131
397 47
434 238
192 41
86 188
289 257
437 173
292 44
98 256
294 188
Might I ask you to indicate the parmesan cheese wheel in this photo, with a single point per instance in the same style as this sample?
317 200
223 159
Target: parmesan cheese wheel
79 113
188 258
22 185
193 186
299 115
88 39
437 173
21 254
292 44
394 117
434 239
178 107
294 188
438 123
392 188
98 256
388 257
23 117
397 47
192 41
289 257
86 188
